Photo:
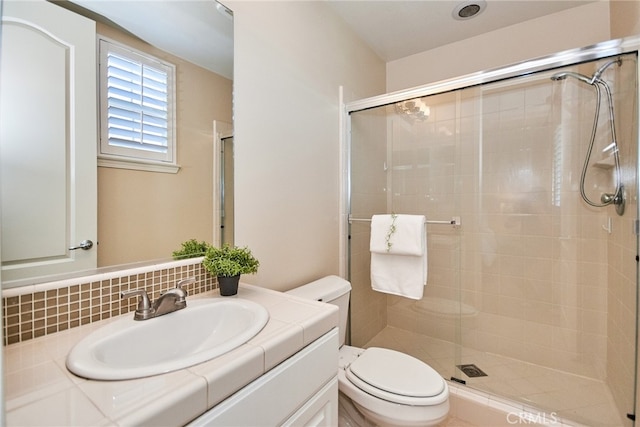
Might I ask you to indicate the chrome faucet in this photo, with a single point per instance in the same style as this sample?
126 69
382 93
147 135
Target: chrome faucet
173 300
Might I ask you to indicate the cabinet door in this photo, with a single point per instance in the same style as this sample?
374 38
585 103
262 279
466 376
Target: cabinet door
320 411
47 140
288 390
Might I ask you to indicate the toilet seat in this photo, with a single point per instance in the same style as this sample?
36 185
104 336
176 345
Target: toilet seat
396 377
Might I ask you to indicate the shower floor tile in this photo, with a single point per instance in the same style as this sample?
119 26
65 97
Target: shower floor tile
571 397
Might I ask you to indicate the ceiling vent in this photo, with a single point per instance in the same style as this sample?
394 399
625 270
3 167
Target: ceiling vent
469 9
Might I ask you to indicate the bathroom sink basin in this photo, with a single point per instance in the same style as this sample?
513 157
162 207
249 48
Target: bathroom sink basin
127 349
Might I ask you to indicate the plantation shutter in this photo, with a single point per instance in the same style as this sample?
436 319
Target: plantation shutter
136 103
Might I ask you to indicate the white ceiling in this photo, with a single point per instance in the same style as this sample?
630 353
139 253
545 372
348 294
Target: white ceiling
196 30
200 31
396 29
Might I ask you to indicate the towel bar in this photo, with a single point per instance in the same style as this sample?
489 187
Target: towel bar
455 221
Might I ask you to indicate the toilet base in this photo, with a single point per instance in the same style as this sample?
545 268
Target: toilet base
350 414
381 421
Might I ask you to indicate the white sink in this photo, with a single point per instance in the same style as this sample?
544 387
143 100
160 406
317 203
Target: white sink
127 349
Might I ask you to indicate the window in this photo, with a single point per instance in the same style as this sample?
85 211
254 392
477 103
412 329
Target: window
136 110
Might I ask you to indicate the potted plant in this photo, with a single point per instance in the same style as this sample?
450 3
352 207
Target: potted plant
227 263
191 249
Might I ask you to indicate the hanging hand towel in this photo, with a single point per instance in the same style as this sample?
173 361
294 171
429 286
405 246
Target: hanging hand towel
398 248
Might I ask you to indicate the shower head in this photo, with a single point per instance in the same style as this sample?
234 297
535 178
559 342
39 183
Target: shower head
565 74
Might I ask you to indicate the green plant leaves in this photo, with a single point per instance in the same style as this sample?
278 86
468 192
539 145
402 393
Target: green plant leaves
230 261
191 249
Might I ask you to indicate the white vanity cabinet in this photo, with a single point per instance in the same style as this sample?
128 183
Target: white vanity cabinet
301 391
285 376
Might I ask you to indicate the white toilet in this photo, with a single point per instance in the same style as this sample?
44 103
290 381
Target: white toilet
388 387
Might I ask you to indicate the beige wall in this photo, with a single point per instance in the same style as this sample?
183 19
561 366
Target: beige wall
572 28
290 59
146 215
625 18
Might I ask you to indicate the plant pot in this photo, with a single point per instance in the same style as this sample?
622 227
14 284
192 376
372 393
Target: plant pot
228 285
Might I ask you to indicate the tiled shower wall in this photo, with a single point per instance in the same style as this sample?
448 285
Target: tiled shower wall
539 277
34 311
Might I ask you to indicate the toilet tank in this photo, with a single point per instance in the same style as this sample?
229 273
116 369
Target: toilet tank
332 289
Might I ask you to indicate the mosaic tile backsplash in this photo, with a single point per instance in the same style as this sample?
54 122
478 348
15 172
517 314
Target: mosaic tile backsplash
43 312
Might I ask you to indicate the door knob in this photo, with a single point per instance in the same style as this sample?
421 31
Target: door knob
84 245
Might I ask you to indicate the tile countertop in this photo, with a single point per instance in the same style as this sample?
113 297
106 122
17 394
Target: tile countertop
40 391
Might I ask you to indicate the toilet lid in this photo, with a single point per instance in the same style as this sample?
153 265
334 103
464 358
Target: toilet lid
395 376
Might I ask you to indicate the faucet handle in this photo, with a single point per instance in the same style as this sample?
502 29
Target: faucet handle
185 281
182 294
144 310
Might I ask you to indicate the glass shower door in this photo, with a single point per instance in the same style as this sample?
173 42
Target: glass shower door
533 298
406 158
555 278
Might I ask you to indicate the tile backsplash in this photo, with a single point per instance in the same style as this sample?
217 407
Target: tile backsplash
39 310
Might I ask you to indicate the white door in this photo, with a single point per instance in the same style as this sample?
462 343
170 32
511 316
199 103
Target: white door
47 140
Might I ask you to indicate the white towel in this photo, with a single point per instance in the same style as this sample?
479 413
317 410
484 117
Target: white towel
399 255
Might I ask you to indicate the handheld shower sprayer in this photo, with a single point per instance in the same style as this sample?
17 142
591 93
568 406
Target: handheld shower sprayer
616 198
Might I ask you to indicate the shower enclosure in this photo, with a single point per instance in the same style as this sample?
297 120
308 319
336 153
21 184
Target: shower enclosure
531 294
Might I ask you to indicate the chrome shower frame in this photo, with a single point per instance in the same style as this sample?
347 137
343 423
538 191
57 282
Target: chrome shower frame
546 63
597 51
608 49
